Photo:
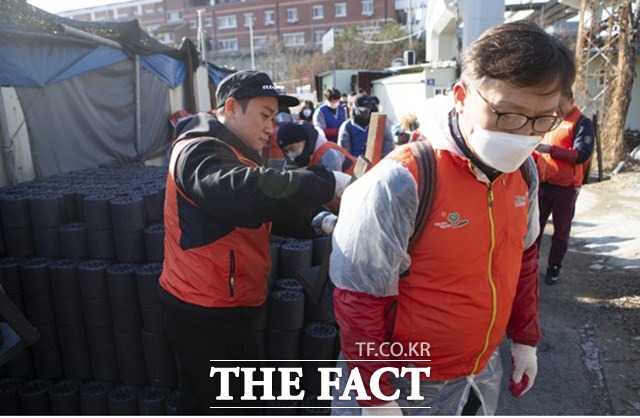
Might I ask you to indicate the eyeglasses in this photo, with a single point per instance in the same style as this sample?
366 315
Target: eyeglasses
514 121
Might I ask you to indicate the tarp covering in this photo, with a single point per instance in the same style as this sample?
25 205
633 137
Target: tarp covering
89 120
78 95
31 39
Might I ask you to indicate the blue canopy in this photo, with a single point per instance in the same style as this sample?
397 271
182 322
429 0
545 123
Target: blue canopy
38 60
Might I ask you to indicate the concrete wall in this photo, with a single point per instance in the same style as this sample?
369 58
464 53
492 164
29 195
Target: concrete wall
404 93
342 81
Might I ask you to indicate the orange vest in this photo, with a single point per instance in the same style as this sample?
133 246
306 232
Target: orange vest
231 271
562 173
464 268
317 155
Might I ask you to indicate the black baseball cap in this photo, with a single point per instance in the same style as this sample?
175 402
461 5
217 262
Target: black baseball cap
246 84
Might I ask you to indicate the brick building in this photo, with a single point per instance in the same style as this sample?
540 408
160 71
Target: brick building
226 23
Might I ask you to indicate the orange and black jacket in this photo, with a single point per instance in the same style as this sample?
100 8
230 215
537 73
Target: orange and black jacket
571 149
219 210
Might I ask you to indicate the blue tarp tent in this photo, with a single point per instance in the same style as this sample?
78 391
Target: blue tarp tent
92 93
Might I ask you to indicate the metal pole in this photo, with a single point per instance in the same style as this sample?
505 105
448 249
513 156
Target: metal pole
334 72
201 37
410 24
253 62
138 119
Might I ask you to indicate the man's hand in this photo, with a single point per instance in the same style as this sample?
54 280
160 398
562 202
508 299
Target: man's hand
544 148
387 409
324 222
525 368
342 181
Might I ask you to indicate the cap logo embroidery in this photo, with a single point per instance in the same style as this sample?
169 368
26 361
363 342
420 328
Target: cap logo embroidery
268 87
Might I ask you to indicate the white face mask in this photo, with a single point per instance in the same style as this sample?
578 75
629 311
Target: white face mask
333 105
502 151
306 112
294 153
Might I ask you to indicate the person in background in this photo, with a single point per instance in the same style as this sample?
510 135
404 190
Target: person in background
306 111
376 106
304 145
344 101
562 161
470 274
407 130
271 153
354 132
330 115
221 205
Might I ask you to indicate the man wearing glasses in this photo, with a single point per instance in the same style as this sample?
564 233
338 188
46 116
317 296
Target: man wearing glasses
471 275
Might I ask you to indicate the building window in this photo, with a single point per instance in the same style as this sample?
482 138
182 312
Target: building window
208 22
227 22
173 16
337 32
269 18
292 15
293 39
367 8
228 44
167 38
248 20
317 12
341 9
317 37
259 42
193 24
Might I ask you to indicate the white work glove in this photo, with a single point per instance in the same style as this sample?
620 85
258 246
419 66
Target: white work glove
525 368
342 181
324 222
388 409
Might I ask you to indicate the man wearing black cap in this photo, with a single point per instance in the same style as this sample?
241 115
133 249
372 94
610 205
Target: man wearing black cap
354 131
221 205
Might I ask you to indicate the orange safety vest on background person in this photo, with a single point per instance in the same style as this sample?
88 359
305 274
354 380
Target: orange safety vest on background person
231 271
562 173
465 267
317 155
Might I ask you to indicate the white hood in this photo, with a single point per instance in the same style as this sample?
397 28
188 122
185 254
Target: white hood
433 116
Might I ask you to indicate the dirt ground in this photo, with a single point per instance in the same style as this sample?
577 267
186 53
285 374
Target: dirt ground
589 357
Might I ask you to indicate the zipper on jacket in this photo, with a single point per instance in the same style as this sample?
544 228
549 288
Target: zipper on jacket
494 295
232 273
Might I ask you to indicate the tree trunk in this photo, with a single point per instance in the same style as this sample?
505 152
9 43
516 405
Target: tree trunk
620 97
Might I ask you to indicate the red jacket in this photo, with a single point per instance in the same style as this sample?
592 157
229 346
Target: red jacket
470 280
559 171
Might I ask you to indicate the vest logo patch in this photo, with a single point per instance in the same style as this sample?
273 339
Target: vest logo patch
520 200
453 221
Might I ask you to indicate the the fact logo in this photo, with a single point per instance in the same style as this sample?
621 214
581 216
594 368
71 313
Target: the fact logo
329 378
269 87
